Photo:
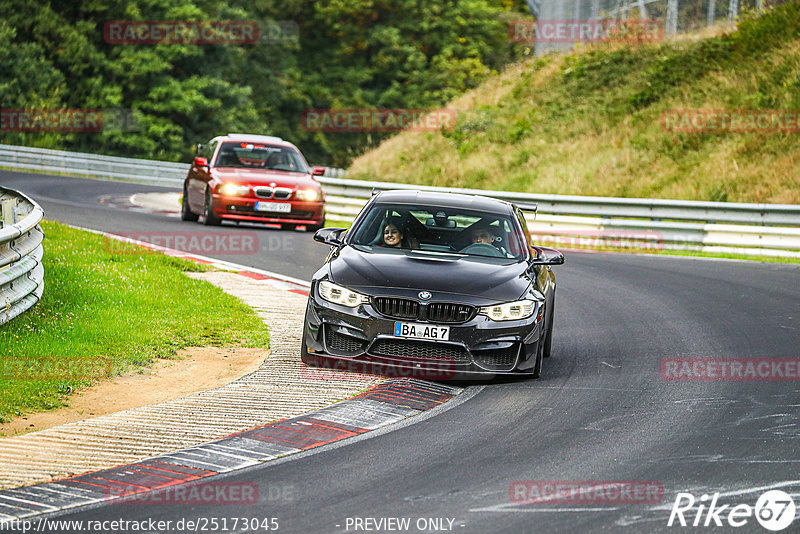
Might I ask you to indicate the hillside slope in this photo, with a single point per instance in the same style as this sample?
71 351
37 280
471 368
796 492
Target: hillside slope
591 123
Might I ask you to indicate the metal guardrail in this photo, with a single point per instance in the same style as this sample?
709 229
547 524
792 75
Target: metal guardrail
578 222
563 220
82 164
21 271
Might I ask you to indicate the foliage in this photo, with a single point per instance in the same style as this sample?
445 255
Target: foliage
348 54
589 123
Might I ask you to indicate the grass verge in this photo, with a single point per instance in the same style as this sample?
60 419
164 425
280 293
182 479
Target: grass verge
108 309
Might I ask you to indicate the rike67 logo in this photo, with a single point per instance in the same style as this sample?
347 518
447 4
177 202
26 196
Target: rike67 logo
774 510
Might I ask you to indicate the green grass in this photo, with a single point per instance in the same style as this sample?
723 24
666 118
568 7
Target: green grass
691 253
109 308
766 259
590 123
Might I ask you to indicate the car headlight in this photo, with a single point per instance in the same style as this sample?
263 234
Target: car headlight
341 295
510 311
234 190
308 195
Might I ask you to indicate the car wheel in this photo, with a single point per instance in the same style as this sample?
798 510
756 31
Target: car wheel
537 368
186 212
208 212
549 341
315 227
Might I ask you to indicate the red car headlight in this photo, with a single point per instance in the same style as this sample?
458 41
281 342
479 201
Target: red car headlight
308 195
234 190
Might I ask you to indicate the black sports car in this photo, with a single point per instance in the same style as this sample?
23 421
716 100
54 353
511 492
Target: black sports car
432 285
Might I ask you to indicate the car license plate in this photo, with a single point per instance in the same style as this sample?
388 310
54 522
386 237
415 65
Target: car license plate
422 331
278 207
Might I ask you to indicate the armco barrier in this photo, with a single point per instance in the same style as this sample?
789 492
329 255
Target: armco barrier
82 164
21 271
563 220
578 222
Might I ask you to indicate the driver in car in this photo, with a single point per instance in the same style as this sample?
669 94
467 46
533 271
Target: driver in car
482 235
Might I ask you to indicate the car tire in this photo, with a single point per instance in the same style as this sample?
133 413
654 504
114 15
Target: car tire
548 344
208 211
315 227
186 212
537 368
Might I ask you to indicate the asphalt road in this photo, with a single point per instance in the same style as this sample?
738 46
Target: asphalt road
600 412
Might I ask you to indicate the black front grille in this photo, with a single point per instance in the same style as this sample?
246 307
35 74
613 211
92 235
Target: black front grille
263 192
397 308
497 358
282 193
418 350
450 313
341 342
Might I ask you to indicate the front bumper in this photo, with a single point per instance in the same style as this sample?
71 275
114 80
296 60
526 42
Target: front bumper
362 340
243 209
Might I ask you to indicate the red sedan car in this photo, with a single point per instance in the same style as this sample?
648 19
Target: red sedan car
255 178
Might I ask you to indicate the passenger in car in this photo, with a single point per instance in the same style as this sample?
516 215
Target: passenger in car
394 236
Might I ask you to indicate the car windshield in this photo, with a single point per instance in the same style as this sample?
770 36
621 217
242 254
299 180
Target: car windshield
260 156
440 230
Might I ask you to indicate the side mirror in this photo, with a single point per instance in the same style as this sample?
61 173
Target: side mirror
330 236
318 171
201 162
546 256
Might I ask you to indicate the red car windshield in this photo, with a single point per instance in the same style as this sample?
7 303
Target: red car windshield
260 156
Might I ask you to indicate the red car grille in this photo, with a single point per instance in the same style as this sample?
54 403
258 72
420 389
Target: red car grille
278 193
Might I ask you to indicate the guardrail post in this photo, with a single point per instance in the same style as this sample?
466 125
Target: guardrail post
8 215
733 11
672 17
